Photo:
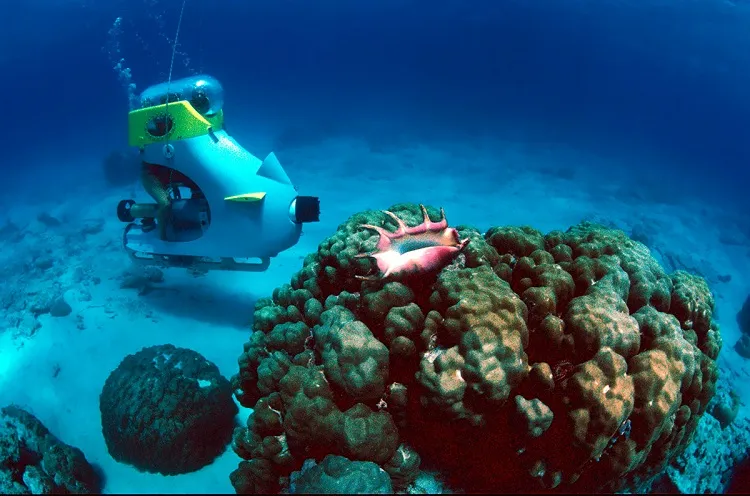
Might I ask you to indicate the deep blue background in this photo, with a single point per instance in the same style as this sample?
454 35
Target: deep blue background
638 79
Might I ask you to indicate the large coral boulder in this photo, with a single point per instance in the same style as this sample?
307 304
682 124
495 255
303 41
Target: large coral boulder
561 362
167 409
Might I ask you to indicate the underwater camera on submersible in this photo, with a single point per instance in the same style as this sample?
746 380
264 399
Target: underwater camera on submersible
217 206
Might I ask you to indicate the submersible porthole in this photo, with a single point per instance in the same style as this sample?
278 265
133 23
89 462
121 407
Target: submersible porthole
160 125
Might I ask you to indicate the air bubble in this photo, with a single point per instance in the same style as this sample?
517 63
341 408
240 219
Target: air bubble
159 55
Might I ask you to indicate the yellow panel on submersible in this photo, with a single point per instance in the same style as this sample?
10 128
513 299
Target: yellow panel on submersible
186 123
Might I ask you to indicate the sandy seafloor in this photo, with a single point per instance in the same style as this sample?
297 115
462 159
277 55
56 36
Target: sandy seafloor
58 371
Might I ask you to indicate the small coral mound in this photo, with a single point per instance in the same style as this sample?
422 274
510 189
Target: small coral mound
742 346
167 410
561 362
726 411
33 461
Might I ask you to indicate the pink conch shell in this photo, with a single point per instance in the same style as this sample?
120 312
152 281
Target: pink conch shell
409 251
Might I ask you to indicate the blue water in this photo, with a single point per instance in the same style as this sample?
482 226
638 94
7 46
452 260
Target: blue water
658 90
663 78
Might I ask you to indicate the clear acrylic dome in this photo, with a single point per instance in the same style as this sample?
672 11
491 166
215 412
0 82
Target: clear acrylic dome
204 93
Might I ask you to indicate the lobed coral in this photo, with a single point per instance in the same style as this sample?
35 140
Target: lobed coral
716 461
568 361
338 475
